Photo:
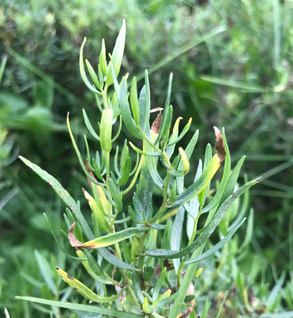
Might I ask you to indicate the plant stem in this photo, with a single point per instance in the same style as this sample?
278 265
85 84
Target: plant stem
108 163
105 97
142 249
134 177
165 192
194 228
161 211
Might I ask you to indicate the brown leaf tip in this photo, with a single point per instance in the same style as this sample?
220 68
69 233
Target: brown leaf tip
155 129
220 146
57 268
74 242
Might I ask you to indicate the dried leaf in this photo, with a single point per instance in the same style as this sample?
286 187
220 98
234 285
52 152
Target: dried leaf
71 237
221 152
156 124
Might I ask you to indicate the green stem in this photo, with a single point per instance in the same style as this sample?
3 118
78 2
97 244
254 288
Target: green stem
194 228
161 211
105 97
179 273
134 177
108 163
111 280
142 250
165 192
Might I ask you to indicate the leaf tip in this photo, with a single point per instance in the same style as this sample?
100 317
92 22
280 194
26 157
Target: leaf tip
220 146
258 179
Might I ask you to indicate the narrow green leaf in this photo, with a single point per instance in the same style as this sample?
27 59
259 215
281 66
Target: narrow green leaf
125 172
63 194
85 291
168 300
134 103
151 164
137 207
93 263
89 126
182 134
207 159
232 180
106 129
93 75
131 308
78 154
125 112
46 272
118 50
134 216
159 283
145 190
145 105
216 247
119 129
5 310
112 259
136 287
206 309
115 194
82 71
86 308
172 139
102 59
111 239
151 154
176 235
160 253
188 151
201 183
57 240
92 269
97 169
193 207
102 221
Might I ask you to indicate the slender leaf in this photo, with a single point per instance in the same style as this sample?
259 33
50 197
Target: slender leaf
86 308
216 247
160 253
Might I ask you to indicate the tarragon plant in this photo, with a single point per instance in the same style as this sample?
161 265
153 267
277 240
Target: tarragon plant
145 258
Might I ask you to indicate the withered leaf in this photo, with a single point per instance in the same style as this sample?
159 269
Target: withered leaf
74 242
155 129
88 169
221 152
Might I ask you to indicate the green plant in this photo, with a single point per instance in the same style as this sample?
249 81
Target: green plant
153 263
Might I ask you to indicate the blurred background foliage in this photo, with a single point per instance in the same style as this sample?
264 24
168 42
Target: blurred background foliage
232 65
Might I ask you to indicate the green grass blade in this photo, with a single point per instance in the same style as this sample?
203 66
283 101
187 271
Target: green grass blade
63 194
86 308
